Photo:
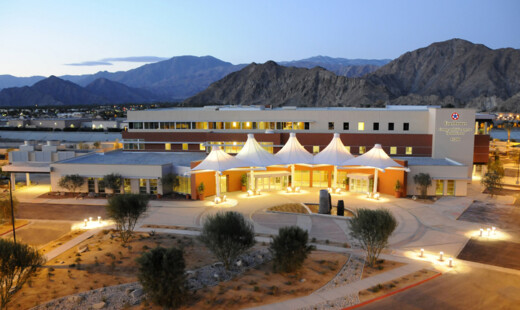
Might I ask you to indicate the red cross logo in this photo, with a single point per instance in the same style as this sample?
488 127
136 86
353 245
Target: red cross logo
455 116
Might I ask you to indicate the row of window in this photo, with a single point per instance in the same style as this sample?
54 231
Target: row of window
375 126
362 149
252 125
221 125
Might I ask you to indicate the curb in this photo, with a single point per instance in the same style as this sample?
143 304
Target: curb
9 231
392 293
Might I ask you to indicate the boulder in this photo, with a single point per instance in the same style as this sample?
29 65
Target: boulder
99 305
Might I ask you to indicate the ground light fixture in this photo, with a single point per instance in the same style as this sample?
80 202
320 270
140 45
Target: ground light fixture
422 253
494 229
450 262
99 219
441 254
489 232
249 193
217 200
86 221
481 232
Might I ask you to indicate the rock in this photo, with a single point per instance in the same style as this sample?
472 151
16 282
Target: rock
129 290
83 249
138 292
99 305
74 299
302 280
239 263
218 264
216 276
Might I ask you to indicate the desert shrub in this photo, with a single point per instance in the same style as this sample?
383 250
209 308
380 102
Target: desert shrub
113 181
18 262
290 249
71 182
126 210
161 273
372 228
227 235
5 209
423 181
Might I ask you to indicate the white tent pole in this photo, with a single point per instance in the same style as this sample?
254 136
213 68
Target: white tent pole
375 181
252 184
292 176
217 182
335 182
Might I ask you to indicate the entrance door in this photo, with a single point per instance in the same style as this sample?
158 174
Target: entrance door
439 187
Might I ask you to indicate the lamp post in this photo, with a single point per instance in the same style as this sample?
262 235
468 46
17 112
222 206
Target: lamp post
12 208
518 168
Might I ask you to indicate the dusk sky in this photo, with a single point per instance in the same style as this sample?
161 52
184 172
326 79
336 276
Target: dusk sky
78 37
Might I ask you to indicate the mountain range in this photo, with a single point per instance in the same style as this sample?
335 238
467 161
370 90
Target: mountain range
450 73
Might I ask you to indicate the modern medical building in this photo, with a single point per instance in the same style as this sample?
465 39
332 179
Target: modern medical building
443 142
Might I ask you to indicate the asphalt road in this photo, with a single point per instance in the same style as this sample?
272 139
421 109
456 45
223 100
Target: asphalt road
478 289
58 211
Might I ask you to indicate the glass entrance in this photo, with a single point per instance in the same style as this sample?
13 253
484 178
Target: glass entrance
439 187
223 183
320 179
91 185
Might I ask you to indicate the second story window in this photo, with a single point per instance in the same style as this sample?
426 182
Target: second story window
406 126
391 126
361 126
376 126
331 125
345 126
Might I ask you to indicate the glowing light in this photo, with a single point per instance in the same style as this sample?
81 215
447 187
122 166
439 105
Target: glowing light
249 193
86 221
488 232
289 189
422 253
217 200
298 189
441 254
376 196
494 230
481 232
234 124
99 219
224 198
450 262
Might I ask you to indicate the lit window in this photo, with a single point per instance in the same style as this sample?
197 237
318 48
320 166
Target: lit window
408 150
202 147
316 149
393 150
347 148
331 125
362 149
234 124
185 146
361 126
168 146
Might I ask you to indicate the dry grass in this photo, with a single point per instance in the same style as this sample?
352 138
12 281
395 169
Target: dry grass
260 286
106 263
396 284
380 267
289 207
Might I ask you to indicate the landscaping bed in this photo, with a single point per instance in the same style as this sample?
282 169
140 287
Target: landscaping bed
381 266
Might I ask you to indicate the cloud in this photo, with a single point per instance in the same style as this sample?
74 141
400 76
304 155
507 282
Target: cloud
91 63
136 59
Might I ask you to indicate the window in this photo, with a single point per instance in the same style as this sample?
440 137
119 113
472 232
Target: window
347 148
316 149
345 126
127 187
450 188
376 126
182 125
201 125
439 187
307 126
151 125
406 126
168 146
91 185
153 186
101 185
393 150
361 126
362 149
202 147
185 146
408 150
331 125
390 126
142 186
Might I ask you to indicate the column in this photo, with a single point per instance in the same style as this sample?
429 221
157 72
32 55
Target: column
27 179
148 186
13 181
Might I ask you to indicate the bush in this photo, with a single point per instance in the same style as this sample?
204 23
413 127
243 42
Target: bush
5 209
71 182
290 249
161 273
423 181
113 181
372 228
18 262
126 210
227 235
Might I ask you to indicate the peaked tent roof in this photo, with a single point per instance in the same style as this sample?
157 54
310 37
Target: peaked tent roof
294 153
375 158
334 154
218 160
256 155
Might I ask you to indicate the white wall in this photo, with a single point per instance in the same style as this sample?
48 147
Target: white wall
444 172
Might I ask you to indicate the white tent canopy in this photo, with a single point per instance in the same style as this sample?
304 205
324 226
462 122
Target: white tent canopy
256 156
334 154
218 161
375 158
294 153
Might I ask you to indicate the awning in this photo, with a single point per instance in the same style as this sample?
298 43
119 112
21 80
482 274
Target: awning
294 153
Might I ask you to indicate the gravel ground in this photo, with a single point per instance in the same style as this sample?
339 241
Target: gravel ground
350 272
338 303
121 296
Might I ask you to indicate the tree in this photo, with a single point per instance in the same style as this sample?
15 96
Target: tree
71 182
492 179
161 273
290 249
423 181
5 209
170 181
113 181
508 126
372 228
97 144
227 235
126 210
17 263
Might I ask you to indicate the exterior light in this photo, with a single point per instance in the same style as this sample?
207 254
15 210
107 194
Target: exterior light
99 219
450 262
330 190
441 254
248 124
376 196
338 190
234 124
289 189
298 189
249 193
488 232
90 219
217 200
224 198
234 143
85 222
494 230
481 232
422 253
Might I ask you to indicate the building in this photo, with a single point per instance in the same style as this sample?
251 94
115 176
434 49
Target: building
446 143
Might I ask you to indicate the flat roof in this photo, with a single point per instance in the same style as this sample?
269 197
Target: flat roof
429 161
66 136
137 158
293 108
